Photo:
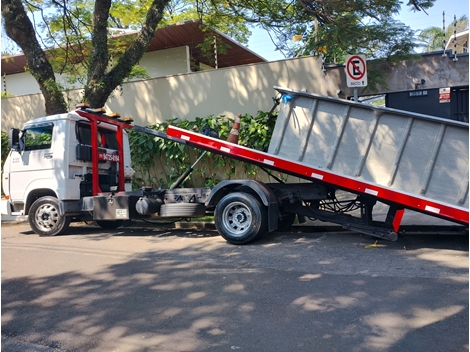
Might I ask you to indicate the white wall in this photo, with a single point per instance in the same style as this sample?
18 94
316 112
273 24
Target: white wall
160 63
21 84
24 83
241 89
166 62
226 91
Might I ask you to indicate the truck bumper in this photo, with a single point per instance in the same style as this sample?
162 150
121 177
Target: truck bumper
5 207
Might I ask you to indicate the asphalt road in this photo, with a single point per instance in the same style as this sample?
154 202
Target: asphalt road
185 290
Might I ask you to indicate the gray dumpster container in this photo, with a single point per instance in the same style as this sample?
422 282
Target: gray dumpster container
416 154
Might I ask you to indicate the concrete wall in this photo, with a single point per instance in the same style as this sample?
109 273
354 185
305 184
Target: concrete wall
243 89
436 70
157 63
21 83
166 62
227 91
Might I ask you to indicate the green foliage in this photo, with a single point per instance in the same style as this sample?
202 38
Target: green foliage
7 95
207 47
159 162
215 14
138 72
5 148
38 139
333 28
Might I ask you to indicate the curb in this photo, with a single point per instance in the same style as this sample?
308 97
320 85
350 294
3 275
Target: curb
14 219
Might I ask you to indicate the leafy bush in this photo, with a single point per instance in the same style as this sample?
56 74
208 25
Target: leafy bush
5 148
7 95
159 162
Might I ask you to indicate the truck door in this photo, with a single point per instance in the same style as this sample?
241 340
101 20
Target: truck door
34 163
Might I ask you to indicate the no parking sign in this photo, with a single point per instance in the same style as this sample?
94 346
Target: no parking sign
356 71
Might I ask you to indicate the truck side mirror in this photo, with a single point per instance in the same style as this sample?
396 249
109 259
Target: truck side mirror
14 139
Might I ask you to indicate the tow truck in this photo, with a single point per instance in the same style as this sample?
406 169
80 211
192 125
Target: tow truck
77 167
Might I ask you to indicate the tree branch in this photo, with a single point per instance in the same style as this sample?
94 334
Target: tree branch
20 29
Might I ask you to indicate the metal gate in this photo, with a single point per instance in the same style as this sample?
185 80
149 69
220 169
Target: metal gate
459 104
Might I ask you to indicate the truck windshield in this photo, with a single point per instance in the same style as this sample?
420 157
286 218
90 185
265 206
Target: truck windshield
38 137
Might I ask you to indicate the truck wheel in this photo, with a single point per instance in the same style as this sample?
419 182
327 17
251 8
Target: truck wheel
109 224
240 218
182 210
44 217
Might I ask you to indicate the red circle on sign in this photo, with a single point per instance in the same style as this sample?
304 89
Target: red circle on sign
350 63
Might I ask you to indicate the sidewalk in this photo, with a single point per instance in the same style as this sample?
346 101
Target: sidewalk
12 218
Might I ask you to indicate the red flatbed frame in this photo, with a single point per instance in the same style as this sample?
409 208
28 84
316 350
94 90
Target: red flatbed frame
424 205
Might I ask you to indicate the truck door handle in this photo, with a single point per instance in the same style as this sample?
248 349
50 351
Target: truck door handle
48 156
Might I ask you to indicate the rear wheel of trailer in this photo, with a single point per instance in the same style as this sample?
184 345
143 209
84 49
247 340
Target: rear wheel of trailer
240 218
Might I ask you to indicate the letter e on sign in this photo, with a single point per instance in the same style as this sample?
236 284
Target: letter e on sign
356 71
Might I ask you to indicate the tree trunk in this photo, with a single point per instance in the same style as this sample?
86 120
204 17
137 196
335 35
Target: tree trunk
20 29
100 84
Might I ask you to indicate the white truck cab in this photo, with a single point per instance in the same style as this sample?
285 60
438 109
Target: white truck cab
50 162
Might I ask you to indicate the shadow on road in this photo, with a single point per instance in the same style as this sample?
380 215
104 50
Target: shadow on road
159 302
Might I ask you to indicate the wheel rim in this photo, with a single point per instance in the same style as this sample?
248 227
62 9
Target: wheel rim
46 217
237 218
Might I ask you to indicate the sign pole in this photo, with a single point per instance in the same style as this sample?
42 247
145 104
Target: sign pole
356 99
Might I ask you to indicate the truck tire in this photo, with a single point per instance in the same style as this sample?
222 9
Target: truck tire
240 218
285 222
44 217
109 224
182 210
